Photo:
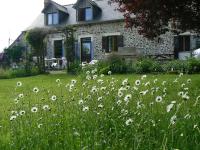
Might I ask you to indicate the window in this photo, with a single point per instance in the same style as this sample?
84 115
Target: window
111 43
52 18
58 48
88 13
85 14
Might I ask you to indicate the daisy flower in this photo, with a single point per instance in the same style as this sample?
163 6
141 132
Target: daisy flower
137 82
22 112
57 80
13 118
100 106
129 122
40 125
127 97
159 99
46 107
21 95
99 98
169 107
189 80
109 72
102 75
86 108
80 102
143 77
173 119
53 98
35 90
73 81
34 109
19 83
120 94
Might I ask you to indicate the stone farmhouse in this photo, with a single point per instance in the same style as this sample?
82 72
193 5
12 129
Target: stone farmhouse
100 31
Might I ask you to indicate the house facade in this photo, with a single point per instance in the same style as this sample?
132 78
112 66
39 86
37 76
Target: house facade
100 31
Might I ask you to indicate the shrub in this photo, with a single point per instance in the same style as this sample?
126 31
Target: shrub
176 66
75 68
144 66
193 65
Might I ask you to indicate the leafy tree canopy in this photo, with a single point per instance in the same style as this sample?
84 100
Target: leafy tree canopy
152 17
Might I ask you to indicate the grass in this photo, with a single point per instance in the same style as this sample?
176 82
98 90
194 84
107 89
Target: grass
85 115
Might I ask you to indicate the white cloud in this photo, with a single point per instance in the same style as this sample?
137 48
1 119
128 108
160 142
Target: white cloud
17 15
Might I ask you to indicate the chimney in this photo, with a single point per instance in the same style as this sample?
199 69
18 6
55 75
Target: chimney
46 2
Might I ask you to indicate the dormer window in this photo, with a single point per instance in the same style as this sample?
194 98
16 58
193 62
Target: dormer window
52 18
88 14
85 14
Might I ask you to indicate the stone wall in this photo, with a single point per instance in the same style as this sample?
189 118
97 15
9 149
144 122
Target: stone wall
131 38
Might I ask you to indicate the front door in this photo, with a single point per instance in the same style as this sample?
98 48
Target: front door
86 50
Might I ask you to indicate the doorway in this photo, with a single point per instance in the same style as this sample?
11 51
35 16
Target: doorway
86 49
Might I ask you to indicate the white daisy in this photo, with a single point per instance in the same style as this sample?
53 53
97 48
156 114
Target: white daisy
173 119
99 98
119 102
103 88
57 80
88 77
147 83
120 94
73 81
35 90
16 100
164 82
102 75
40 125
21 95
109 72
137 82
53 98
94 77
13 118
181 74
22 112
100 81
129 122
185 97
34 109
127 97
19 83
80 102
189 80
159 99
169 107
46 107
100 106
87 72
155 80
143 77
86 108
125 82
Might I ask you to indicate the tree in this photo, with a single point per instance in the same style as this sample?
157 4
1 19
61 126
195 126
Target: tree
69 44
36 38
152 17
14 53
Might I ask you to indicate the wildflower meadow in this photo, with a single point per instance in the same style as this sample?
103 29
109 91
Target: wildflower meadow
103 112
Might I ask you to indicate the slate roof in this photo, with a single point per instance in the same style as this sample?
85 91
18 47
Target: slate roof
108 14
58 6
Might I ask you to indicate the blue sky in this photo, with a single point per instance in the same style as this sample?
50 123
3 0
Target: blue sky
17 15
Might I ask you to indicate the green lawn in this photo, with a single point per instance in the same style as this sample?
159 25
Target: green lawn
105 113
